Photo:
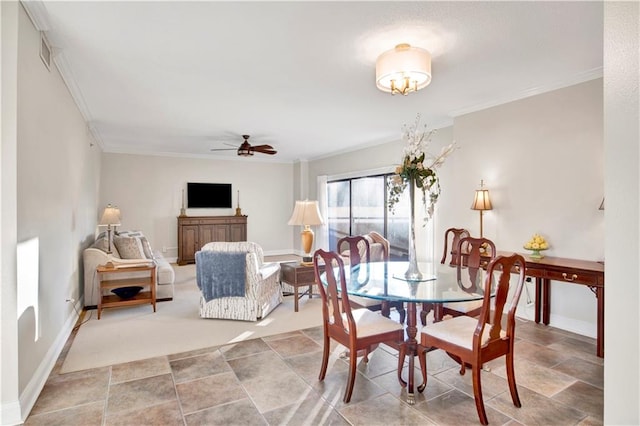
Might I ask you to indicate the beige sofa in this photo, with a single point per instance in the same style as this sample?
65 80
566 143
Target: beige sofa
135 249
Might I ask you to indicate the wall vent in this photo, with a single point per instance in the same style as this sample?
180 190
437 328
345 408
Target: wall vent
45 51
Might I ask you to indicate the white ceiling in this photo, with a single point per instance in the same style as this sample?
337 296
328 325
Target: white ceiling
185 77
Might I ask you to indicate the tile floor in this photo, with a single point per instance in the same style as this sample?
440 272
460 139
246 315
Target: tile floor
273 380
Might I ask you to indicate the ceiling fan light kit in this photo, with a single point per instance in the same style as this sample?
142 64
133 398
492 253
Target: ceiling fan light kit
403 69
245 148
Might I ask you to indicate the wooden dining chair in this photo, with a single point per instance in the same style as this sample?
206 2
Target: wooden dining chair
478 253
455 235
476 341
358 250
357 329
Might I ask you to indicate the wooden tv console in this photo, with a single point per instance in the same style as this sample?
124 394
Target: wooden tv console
196 231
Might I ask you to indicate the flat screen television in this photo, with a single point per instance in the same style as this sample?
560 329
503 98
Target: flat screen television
208 195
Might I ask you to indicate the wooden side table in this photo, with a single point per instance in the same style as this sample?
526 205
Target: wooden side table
297 275
107 281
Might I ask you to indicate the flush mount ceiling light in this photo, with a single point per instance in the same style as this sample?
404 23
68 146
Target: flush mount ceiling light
404 69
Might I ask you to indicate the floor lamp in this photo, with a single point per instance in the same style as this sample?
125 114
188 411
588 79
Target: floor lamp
306 213
481 202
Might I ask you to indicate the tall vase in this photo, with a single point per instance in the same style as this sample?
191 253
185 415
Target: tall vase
413 273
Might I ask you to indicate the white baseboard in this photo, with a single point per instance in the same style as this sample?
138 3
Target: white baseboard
34 387
282 252
583 328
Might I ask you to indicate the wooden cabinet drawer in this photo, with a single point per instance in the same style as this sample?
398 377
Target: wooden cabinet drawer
296 274
288 274
306 276
575 277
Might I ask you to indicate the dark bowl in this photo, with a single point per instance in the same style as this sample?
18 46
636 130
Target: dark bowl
126 292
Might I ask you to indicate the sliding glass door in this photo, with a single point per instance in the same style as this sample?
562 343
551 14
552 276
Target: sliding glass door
357 206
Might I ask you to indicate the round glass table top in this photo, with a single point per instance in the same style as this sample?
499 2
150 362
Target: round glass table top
385 281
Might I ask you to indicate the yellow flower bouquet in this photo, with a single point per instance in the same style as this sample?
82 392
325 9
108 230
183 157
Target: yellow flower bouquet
536 244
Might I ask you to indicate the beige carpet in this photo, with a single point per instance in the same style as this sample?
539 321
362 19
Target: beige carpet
134 333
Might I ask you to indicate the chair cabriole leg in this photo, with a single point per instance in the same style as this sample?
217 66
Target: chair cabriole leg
511 378
402 353
325 358
422 357
353 358
477 394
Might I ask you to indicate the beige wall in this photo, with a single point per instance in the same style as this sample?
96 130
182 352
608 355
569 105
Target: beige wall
56 199
10 411
148 191
542 160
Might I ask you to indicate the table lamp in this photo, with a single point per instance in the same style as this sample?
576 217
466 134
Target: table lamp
110 217
306 213
481 202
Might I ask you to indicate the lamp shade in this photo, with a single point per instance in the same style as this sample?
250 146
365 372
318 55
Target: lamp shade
306 213
403 69
110 216
481 201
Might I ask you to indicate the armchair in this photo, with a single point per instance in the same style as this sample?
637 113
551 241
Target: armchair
262 292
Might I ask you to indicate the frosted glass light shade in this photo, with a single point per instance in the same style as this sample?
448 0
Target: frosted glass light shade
403 69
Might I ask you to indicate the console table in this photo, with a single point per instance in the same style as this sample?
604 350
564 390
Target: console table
196 231
571 271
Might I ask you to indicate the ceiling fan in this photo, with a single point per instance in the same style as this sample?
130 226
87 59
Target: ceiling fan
247 150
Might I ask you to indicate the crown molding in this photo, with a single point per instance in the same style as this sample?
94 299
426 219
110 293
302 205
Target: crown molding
62 64
135 151
37 12
582 77
439 125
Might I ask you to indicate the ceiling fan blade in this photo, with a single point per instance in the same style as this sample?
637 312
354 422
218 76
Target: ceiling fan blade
264 149
223 149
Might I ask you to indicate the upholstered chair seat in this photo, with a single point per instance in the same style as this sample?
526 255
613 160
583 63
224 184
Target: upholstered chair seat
369 323
459 331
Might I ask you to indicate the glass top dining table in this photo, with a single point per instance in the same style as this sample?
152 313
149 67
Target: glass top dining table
385 281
